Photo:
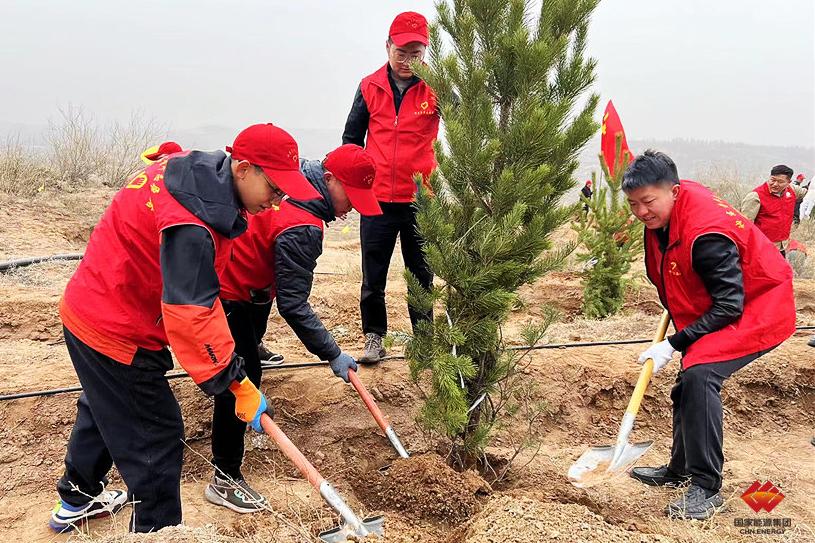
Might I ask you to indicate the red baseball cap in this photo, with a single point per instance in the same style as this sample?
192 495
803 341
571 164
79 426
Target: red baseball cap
355 169
166 148
408 27
275 152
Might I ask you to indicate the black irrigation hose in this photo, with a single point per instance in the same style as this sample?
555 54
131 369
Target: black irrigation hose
11 264
299 365
175 375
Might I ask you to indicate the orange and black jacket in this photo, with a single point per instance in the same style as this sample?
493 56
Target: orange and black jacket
149 277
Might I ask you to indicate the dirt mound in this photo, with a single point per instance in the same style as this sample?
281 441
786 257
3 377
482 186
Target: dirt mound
521 520
425 487
174 534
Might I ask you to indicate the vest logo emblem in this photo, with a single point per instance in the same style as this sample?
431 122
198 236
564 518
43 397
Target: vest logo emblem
673 269
154 188
137 182
149 205
740 224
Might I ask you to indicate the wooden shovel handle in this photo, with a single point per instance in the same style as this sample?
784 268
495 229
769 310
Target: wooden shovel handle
368 399
291 451
648 368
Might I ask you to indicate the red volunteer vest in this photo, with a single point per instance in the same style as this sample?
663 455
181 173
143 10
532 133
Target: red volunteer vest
775 214
769 305
251 266
400 145
116 290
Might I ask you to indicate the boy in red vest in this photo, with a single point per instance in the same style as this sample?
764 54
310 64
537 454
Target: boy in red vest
771 206
397 111
729 294
276 259
149 280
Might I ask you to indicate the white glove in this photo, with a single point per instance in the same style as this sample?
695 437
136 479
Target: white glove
661 353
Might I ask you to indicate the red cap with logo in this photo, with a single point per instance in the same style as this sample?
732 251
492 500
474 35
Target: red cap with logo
275 152
408 27
166 148
355 169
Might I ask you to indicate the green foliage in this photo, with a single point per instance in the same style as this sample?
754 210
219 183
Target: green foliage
611 238
512 94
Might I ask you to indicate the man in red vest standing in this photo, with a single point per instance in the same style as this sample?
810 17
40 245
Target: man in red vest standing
149 280
771 206
729 294
275 260
397 111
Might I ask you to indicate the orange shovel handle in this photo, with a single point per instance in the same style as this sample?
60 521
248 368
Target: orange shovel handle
369 401
291 451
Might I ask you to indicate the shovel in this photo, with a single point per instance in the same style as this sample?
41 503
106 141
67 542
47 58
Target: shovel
377 414
352 527
599 464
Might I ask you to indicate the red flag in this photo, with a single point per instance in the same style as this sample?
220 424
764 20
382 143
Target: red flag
608 143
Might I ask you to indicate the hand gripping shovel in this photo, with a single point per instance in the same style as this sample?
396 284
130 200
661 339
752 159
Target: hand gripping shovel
352 526
377 414
598 464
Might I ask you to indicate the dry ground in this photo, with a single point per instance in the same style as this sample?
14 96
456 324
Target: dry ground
770 418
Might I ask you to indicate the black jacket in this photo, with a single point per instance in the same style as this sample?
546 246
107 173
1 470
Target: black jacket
295 257
715 259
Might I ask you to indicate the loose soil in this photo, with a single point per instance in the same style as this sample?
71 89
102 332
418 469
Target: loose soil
769 419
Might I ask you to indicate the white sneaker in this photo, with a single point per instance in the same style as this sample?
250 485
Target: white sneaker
66 517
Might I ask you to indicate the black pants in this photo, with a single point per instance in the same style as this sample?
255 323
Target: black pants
697 420
260 319
128 416
378 236
227 429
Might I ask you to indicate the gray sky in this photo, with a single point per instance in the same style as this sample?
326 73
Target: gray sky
734 70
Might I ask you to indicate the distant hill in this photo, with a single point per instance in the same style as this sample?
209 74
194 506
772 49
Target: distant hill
696 159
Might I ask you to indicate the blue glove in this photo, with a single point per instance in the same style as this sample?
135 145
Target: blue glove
250 403
342 364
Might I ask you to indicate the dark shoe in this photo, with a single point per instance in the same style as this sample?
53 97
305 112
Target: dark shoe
696 504
811 341
236 494
374 351
268 356
661 476
66 517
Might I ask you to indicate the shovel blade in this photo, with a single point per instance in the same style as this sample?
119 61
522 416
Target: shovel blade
341 534
595 465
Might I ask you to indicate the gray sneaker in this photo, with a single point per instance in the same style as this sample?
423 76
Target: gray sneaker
234 494
695 504
374 351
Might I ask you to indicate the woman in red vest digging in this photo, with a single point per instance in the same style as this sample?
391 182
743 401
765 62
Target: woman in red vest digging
771 206
729 294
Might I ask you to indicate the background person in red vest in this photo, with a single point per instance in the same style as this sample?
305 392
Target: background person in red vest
149 279
397 111
275 259
771 206
729 294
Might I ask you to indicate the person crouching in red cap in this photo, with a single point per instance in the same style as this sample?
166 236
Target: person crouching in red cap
149 280
275 259
394 115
